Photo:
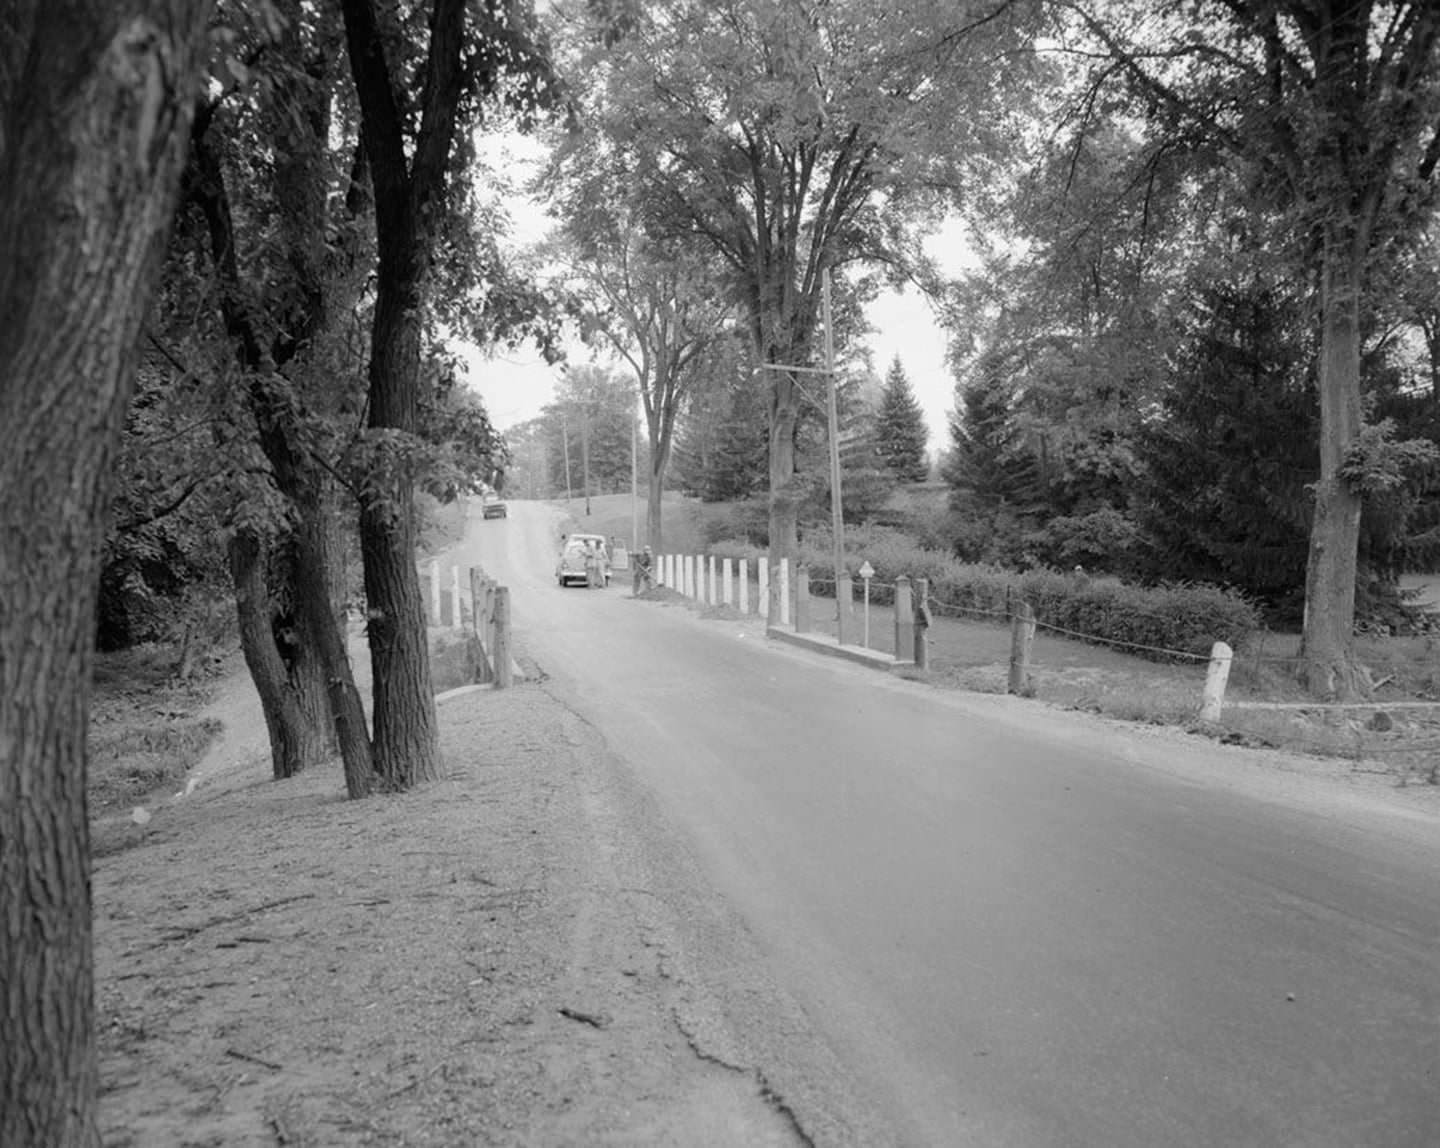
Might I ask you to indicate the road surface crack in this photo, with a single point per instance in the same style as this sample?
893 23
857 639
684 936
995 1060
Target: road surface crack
768 1093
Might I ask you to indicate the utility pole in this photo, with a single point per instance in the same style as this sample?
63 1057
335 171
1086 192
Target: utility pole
565 439
634 481
585 456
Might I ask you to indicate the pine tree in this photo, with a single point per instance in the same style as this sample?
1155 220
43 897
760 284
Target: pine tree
1230 458
900 430
996 488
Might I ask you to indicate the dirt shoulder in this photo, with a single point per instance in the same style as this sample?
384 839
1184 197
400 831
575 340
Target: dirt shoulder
478 962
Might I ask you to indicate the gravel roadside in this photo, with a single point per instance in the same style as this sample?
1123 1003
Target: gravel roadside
484 961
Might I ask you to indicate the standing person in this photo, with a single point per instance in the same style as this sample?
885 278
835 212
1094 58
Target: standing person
644 571
594 574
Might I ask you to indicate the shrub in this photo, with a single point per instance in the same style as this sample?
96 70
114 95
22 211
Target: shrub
1181 616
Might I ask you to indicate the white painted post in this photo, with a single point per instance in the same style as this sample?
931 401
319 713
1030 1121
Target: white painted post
784 591
667 570
691 566
685 574
456 617
434 575
1215 679
742 587
726 573
762 591
712 597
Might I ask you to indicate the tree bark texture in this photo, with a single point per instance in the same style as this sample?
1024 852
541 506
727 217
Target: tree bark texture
323 632
406 728
94 112
409 192
262 347
1329 644
295 741
784 518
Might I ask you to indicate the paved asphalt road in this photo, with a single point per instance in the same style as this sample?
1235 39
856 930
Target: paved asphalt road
1008 925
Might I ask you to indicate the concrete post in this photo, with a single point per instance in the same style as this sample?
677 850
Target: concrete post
742 586
762 590
713 598
433 573
457 619
844 606
904 620
784 592
1215 679
1022 637
503 676
802 599
727 572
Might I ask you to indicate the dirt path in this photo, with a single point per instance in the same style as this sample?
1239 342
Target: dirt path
480 962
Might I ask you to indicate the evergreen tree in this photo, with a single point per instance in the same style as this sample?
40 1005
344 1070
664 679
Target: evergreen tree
1229 462
995 485
900 432
721 446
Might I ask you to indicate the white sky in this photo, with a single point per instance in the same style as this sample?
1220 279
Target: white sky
516 385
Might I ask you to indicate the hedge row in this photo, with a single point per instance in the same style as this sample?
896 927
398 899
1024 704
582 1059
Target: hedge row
1187 618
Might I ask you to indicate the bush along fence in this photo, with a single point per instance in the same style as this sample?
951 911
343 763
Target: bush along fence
484 619
1198 625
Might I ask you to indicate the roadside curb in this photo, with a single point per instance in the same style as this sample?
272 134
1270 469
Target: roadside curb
825 644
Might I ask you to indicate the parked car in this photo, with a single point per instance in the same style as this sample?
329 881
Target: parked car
573 551
493 506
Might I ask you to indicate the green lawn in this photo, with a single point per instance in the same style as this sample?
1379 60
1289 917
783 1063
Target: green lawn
612 516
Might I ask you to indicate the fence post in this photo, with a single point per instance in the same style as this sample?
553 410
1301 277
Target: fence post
479 619
904 619
503 676
475 595
1022 636
784 591
727 571
1215 678
434 575
457 617
762 591
802 599
742 586
844 605
922 623
714 598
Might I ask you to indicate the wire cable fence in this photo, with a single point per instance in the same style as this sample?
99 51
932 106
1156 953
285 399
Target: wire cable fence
1165 686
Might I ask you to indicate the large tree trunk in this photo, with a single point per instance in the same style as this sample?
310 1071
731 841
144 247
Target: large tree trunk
323 632
296 741
784 524
662 436
92 132
409 193
406 739
1329 644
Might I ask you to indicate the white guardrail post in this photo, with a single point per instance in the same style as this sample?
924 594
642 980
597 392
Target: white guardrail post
1216 678
762 591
